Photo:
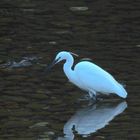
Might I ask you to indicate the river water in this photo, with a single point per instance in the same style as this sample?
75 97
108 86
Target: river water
35 105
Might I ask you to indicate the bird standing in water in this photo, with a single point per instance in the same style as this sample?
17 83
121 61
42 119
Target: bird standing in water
89 77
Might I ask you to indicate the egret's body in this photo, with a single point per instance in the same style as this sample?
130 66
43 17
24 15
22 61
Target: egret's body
90 77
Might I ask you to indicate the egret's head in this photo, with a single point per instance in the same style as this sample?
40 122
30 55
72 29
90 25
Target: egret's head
61 56
64 55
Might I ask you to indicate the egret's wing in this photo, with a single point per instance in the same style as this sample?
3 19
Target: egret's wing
95 78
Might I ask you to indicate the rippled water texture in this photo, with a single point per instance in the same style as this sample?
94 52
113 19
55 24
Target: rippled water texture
35 105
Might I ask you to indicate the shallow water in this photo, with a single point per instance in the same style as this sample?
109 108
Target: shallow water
35 105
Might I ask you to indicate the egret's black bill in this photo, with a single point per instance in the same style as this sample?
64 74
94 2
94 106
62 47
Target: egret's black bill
52 64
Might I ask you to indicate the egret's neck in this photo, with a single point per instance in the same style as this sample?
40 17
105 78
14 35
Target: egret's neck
68 66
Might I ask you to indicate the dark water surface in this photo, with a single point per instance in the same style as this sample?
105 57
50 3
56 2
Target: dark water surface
39 106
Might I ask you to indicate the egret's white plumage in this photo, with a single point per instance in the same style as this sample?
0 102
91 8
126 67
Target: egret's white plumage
89 76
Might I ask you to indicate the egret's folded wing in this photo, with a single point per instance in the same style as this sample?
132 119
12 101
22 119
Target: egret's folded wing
94 77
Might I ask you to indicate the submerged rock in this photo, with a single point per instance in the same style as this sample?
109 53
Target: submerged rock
26 62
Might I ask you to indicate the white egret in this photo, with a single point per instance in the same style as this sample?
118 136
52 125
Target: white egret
89 76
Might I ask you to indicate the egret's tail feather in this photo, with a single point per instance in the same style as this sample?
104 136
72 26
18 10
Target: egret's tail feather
121 91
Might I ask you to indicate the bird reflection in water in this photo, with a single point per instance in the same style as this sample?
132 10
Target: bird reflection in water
91 119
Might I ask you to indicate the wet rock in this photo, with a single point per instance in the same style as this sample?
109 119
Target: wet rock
80 8
137 45
61 32
40 124
22 63
52 42
26 62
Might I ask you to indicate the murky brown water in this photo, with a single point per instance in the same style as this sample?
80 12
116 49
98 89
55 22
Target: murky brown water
38 106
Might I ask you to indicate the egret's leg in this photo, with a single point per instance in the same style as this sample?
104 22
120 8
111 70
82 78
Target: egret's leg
92 98
92 95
